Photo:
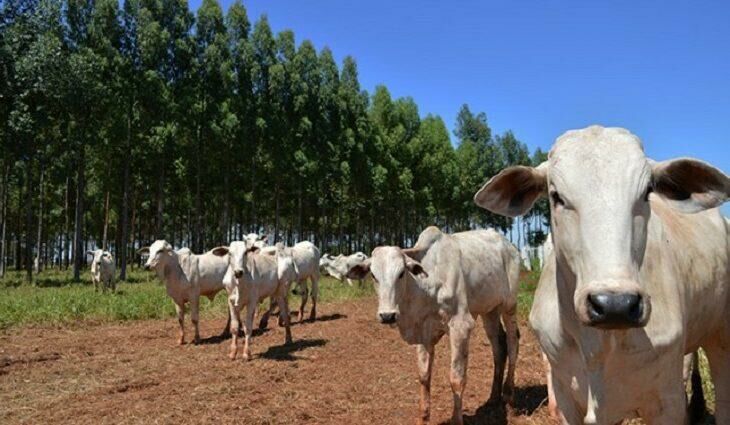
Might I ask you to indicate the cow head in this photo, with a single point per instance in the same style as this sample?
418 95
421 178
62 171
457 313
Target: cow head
158 252
599 184
237 252
390 269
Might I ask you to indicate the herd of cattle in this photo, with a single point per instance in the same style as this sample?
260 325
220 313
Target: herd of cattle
636 276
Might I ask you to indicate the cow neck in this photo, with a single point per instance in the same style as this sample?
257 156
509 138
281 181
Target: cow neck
169 268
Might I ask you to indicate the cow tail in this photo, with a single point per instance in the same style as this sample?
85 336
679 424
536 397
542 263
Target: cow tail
697 405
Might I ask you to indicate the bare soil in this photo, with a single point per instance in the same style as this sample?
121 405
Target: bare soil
345 368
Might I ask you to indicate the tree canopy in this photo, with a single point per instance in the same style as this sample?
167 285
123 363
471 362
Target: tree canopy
125 122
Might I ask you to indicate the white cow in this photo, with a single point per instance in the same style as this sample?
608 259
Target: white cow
306 258
439 287
187 277
639 276
256 240
338 267
256 277
102 270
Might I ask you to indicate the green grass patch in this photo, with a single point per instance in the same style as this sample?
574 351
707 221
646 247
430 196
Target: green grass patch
54 299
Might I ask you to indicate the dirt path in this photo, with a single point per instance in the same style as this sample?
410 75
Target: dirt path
343 369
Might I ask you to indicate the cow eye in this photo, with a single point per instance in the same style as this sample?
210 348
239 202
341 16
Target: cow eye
557 200
400 276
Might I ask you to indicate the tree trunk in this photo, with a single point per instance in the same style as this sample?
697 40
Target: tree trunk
4 199
78 253
276 218
65 247
300 229
159 227
106 222
122 248
39 237
29 243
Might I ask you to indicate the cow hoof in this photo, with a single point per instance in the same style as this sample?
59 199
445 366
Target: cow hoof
232 356
246 356
288 341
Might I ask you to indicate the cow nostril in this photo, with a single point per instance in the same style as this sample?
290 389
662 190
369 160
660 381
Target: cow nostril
238 273
615 310
388 318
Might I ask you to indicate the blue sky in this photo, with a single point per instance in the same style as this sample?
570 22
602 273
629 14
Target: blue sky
539 68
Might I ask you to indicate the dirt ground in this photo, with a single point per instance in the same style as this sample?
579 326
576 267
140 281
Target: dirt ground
345 368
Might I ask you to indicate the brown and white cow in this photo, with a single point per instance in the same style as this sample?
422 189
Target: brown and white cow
439 287
640 275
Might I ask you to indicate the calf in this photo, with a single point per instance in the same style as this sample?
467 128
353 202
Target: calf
639 275
102 270
255 277
439 287
187 277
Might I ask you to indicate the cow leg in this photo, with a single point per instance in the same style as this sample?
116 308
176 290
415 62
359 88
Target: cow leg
349 281
304 292
284 313
234 315
315 295
498 341
552 403
459 339
264 322
180 319
569 412
719 359
248 328
671 409
194 312
226 333
425 366
114 285
513 346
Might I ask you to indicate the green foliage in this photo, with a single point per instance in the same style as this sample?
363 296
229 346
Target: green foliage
202 127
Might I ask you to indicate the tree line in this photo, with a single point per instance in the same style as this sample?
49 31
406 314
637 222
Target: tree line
125 122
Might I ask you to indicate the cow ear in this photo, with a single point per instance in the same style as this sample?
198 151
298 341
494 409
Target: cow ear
514 190
690 185
415 268
167 247
262 238
220 251
359 271
143 250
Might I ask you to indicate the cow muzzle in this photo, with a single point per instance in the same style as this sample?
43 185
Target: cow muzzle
238 273
147 267
610 310
388 318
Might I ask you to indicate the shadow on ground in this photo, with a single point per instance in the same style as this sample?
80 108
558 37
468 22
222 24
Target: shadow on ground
527 401
286 352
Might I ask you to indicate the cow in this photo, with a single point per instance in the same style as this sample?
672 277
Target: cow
255 277
438 287
256 240
338 267
102 270
306 258
639 275
187 277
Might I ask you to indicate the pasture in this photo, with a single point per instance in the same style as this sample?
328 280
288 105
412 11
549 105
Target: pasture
111 358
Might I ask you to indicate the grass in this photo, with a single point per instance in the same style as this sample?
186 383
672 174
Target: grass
55 300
